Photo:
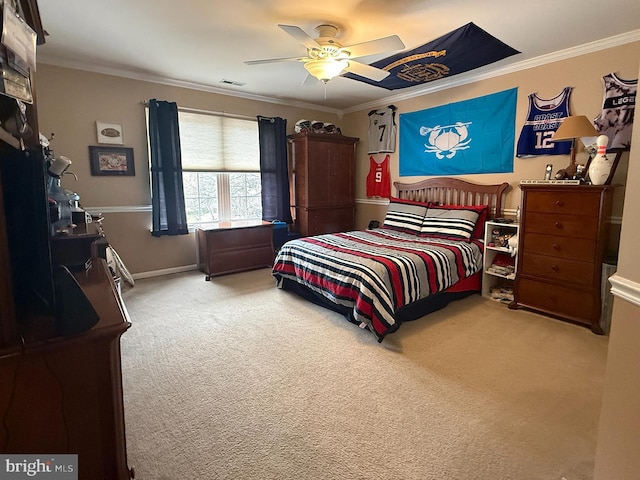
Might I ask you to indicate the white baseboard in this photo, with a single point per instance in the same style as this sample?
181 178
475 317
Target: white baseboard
164 271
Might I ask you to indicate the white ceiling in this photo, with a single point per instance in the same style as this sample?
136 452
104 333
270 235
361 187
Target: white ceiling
198 43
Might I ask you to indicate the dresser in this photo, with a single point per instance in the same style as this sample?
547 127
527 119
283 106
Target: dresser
63 394
322 168
563 236
60 367
228 247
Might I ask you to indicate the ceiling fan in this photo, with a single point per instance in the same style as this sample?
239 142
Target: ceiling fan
327 58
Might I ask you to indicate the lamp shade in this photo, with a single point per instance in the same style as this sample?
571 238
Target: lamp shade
575 127
325 70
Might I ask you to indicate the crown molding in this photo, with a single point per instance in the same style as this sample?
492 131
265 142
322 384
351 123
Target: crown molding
172 82
475 75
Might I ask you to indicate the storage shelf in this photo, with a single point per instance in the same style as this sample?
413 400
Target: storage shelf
492 280
498 249
511 276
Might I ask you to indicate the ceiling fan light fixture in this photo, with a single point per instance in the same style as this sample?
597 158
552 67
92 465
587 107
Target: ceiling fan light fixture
327 57
325 70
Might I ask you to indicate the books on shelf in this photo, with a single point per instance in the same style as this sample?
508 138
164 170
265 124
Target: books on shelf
550 182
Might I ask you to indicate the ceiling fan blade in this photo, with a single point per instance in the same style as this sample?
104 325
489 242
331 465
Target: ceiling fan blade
274 60
309 80
366 71
300 35
373 47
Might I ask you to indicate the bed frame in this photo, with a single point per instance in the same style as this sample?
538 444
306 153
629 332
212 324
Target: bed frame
446 191
453 191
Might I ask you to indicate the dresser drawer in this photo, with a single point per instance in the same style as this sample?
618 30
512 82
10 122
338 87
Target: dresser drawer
575 304
561 225
558 269
241 259
331 220
563 247
236 238
585 203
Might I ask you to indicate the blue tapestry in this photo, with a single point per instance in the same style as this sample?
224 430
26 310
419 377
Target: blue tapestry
459 51
472 136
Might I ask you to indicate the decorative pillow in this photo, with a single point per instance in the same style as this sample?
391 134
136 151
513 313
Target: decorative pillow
456 224
483 215
405 215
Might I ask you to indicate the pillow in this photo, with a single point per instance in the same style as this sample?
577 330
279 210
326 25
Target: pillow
483 212
405 215
454 224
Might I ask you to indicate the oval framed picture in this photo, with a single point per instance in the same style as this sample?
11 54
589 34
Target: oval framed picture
109 133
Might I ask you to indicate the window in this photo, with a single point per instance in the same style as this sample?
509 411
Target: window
220 167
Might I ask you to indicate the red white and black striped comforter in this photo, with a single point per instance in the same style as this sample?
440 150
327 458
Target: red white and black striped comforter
376 272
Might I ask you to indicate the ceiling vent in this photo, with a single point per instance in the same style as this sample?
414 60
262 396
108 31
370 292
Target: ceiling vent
233 82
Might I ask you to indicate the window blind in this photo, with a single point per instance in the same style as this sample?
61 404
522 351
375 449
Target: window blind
218 143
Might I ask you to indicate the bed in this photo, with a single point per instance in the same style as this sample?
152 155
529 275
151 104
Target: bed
427 253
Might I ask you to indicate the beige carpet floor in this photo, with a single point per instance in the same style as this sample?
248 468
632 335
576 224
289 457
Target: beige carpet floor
235 379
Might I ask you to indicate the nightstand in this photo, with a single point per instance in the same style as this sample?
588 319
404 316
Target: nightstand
499 265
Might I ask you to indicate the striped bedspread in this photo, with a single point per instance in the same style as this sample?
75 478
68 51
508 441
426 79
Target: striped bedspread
375 272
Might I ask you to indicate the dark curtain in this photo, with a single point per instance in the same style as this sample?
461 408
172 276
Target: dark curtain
167 194
274 169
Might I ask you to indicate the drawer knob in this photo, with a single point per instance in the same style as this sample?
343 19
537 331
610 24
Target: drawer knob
555 246
555 268
559 203
557 225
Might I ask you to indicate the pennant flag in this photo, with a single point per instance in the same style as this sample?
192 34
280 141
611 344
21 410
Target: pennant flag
472 136
464 49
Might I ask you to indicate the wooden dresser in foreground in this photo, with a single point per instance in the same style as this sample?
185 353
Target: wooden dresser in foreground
60 368
228 247
563 236
63 394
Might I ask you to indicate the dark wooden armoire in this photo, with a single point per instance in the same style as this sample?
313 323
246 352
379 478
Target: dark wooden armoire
322 169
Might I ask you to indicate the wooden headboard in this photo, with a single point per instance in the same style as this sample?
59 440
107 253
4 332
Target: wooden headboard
453 191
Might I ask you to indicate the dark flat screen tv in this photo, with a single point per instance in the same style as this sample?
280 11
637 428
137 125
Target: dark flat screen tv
23 176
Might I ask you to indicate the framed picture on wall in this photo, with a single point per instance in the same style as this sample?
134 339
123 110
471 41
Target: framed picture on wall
109 133
613 155
114 161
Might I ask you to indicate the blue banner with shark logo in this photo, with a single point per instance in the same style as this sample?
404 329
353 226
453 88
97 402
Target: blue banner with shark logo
459 51
462 138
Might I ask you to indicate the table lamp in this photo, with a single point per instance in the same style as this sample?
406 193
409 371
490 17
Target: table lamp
571 128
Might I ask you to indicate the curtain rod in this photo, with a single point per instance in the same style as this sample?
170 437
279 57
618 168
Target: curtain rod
208 112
